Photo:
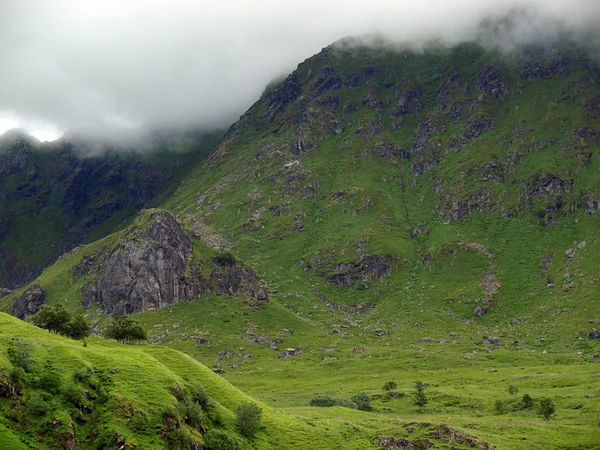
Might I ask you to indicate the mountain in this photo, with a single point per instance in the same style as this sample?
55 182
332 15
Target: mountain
55 196
383 214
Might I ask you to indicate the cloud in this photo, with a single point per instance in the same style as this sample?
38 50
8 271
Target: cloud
99 63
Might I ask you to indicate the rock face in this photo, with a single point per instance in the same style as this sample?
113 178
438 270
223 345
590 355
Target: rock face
154 269
236 281
151 271
366 269
29 303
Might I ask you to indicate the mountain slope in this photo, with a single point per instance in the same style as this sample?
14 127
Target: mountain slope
413 216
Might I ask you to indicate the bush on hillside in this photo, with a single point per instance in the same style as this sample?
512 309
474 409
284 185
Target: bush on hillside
221 440
362 401
125 329
247 418
57 319
326 401
19 354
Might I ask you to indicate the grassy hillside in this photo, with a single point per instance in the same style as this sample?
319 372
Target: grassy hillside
423 216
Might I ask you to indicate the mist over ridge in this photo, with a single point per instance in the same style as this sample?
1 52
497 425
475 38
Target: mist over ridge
104 65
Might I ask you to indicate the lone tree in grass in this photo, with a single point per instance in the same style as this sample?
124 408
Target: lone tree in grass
547 408
58 319
420 398
389 386
247 418
125 329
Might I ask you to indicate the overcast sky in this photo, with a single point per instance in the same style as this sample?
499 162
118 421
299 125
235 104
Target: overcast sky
72 64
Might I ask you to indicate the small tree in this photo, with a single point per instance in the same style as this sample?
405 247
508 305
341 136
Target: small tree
125 329
420 398
247 418
499 407
527 401
58 319
512 390
362 401
389 386
52 317
547 408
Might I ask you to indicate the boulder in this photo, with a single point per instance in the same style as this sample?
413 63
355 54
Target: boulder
29 303
489 340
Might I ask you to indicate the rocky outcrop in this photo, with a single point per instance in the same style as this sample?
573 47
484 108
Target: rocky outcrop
235 280
153 268
29 303
363 270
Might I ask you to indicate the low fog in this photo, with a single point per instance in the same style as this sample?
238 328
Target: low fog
97 64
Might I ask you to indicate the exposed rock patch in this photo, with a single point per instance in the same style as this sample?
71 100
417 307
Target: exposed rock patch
153 268
363 270
29 303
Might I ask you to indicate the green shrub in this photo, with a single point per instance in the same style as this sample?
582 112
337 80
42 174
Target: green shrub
37 405
247 418
224 259
220 440
547 408
81 376
72 394
125 329
419 396
527 401
326 401
199 395
389 386
19 354
49 381
499 407
58 319
191 413
362 401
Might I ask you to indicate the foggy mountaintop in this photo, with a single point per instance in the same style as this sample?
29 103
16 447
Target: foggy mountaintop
69 64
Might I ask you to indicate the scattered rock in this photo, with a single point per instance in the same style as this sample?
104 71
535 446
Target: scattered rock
594 335
478 311
288 352
489 340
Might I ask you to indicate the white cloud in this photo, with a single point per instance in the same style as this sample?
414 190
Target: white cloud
77 64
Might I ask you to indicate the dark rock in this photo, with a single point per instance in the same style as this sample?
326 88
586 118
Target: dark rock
363 270
235 280
475 128
489 340
219 371
327 81
348 109
490 80
353 81
478 311
152 270
594 335
330 101
288 352
29 303
492 171
372 100
4 292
